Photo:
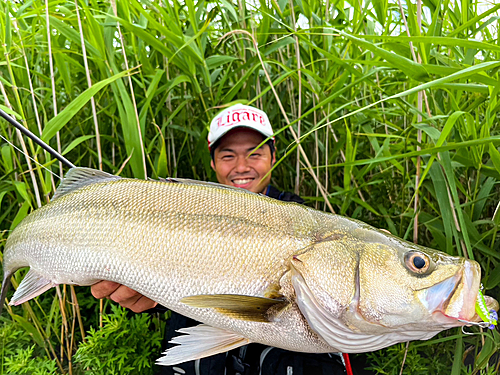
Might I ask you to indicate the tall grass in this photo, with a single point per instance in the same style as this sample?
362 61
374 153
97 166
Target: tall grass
380 116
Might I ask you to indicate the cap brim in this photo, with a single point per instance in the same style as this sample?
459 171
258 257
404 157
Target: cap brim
241 125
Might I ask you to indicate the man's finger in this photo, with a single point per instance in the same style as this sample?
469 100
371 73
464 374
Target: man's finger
103 288
131 299
122 295
142 304
125 296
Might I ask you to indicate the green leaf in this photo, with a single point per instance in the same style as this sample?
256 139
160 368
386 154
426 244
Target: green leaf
453 188
457 357
489 348
280 43
495 156
380 7
22 190
21 214
440 138
58 122
437 40
8 30
493 278
474 20
7 157
71 33
30 328
409 67
162 169
441 196
2 194
230 8
457 75
76 142
482 197
150 94
11 112
217 60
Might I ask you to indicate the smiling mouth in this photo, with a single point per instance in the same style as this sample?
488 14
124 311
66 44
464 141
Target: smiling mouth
242 181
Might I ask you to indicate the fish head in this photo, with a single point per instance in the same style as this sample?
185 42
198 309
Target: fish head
369 282
410 287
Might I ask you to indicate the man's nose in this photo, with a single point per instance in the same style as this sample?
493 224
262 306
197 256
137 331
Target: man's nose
242 164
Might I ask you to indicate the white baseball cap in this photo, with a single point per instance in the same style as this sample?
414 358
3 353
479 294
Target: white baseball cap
239 115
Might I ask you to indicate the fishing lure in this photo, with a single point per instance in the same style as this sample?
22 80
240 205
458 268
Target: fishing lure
489 317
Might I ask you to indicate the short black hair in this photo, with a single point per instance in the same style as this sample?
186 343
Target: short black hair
270 143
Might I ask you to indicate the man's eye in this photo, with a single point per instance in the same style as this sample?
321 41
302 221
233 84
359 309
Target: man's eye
227 157
255 155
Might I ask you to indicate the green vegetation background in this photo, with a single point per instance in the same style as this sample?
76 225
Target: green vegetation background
395 107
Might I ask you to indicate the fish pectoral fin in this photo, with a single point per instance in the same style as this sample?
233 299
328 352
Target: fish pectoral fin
32 285
199 342
251 308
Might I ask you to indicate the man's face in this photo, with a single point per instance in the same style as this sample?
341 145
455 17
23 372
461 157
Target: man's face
238 163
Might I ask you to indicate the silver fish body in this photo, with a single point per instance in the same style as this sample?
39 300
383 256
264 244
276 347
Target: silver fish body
252 268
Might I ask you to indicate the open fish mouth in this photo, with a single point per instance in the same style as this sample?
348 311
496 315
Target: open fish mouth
452 302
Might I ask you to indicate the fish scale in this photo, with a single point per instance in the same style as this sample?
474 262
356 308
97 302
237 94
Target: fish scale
255 269
99 233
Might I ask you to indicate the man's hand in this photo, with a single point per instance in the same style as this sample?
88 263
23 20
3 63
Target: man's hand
122 295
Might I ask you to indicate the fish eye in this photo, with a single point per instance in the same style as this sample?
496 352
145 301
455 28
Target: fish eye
417 262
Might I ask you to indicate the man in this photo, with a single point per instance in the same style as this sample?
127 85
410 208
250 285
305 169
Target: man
234 136
234 139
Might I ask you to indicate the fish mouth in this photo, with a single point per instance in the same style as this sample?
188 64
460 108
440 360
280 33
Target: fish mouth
452 302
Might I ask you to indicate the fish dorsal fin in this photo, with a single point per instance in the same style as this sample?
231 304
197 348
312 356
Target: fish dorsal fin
251 308
200 342
79 177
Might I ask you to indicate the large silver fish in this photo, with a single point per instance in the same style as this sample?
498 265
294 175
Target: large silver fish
252 268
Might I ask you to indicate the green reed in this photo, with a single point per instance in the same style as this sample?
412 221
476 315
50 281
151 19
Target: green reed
385 112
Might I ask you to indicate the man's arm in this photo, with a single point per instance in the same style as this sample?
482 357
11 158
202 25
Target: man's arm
122 295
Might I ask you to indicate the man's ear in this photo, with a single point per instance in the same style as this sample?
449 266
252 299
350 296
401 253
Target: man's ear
274 158
212 164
